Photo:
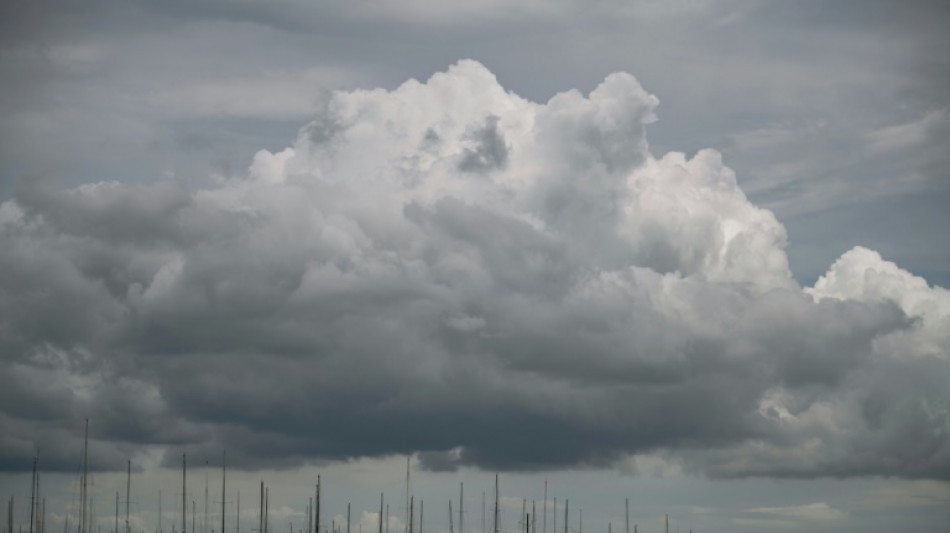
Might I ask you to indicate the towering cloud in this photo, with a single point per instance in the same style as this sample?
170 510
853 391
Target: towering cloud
451 269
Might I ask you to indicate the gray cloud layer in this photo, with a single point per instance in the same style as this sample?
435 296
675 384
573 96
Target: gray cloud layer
451 269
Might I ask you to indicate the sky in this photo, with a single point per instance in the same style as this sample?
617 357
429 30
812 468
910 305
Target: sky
688 253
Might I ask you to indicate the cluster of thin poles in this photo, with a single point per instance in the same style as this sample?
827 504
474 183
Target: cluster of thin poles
314 523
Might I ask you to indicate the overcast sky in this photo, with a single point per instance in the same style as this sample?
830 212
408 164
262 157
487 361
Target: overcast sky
692 253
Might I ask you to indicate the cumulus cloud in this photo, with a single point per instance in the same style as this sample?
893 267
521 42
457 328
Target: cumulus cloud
450 269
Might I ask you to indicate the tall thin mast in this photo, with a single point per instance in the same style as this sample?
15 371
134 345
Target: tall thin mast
206 499
224 473
128 492
39 508
261 527
184 486
32 494
83 488
524 511
483 513
451 526
627 515
496 503
316 519
567 504
461 504
408 509
237 513
347 517
412 507
544 513
534 516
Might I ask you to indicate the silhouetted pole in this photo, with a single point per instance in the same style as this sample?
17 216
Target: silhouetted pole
184 506
224 473
32 494
84 489
380 512
128 494
544 513
116 512
461 504
316 518
496 503
566 504
451 526
534 516
627 515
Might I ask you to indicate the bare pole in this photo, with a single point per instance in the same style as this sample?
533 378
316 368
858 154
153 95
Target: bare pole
555 515
347 517
380 512
206 499
116 512
627 515
451 526
544 513
224 473
412 507
85 471
461 504
524 510
128 492
566 505
261 519
32 494
408 508
316 519
496 503
483 513
184 506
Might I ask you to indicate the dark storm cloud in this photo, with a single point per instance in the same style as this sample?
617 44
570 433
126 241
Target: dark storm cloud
362 294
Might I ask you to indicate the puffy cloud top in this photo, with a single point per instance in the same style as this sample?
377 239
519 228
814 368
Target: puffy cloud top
430 267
